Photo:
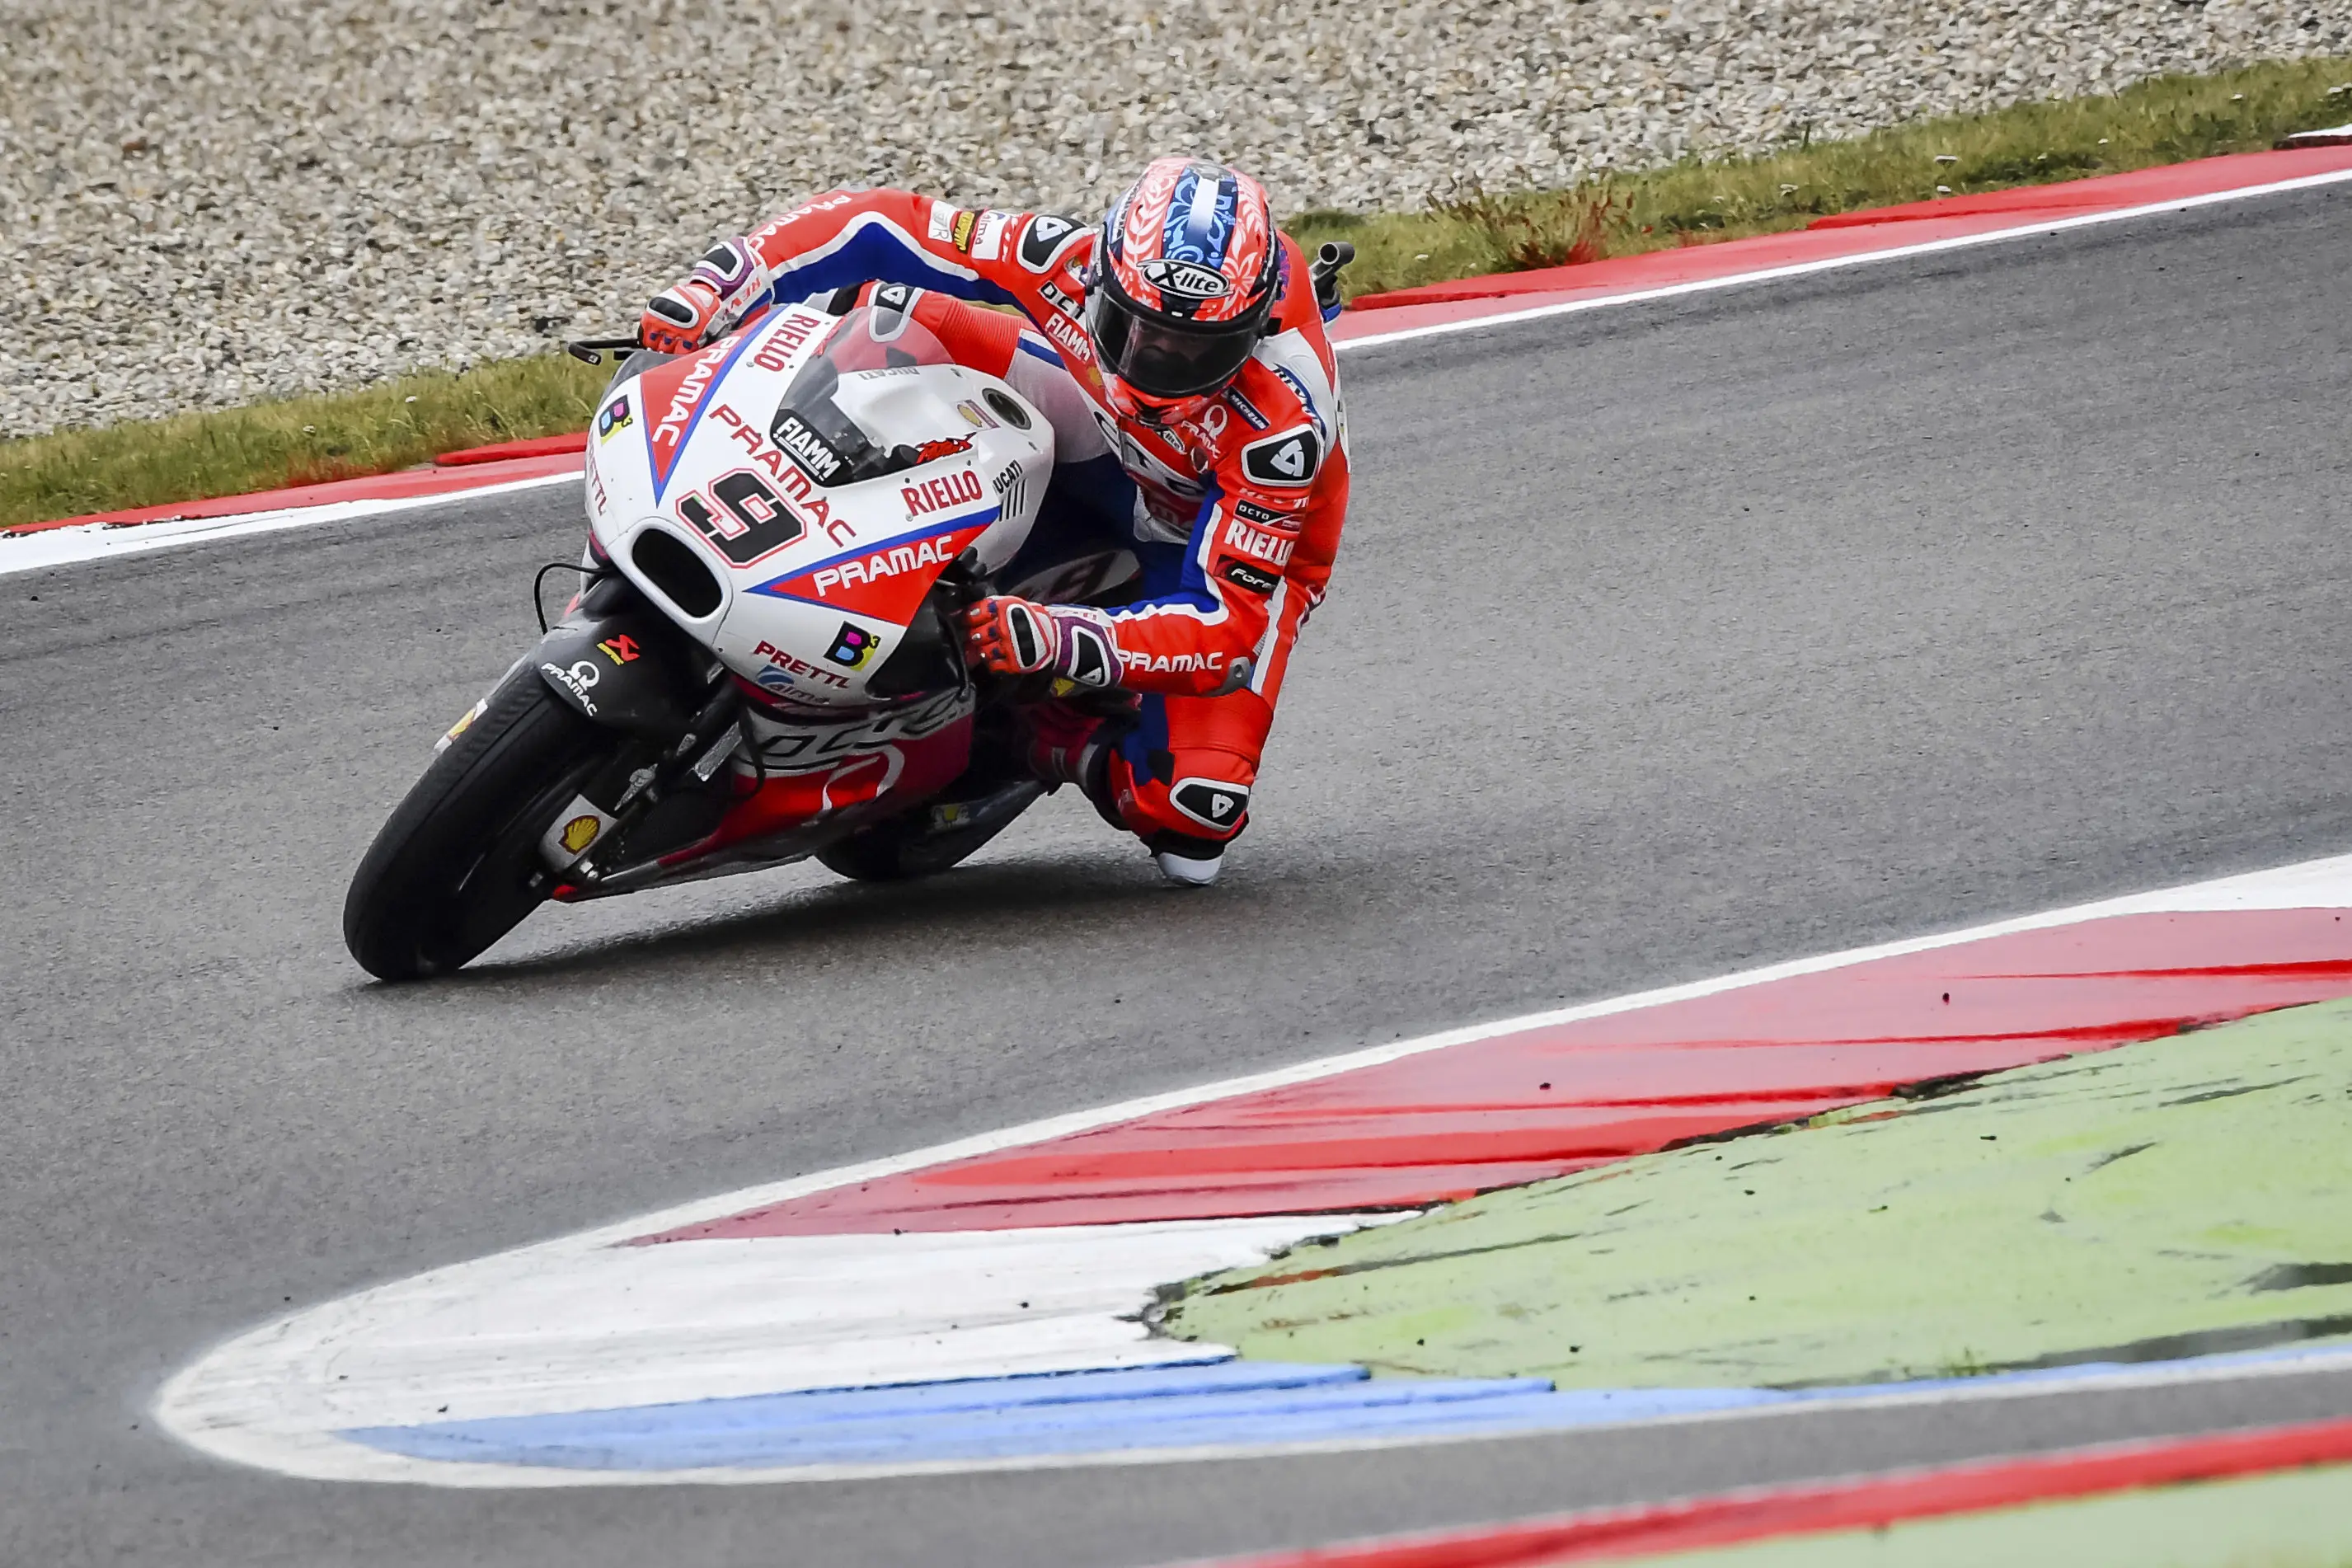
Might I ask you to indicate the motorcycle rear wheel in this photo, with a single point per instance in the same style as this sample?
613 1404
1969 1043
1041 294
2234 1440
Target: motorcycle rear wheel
456 865
909 845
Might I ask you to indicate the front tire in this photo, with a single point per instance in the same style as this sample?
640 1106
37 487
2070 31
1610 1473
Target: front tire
456 866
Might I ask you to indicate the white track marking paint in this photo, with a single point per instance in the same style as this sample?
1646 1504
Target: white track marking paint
583 1323
96 541
1860 258
102 541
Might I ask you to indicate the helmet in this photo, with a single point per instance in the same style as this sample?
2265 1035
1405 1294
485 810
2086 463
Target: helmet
1183 281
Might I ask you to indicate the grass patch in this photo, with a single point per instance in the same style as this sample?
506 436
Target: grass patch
2169 120
1465 232
305 441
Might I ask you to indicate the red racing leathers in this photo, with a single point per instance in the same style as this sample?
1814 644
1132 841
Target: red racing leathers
1238 505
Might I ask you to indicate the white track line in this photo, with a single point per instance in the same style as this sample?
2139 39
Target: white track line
98 540
1860 258
275 1396
102 541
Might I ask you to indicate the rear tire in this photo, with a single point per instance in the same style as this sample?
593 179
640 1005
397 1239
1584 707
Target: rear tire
452 870
905 846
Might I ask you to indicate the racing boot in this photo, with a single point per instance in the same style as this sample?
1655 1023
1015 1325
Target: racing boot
1065 741
1185 859
1071 741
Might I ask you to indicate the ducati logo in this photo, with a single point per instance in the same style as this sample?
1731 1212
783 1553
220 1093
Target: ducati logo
1188 278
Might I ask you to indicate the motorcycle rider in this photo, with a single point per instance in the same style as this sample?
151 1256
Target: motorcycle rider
1179 351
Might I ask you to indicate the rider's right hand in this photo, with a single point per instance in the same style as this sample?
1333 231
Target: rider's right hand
1019 636
680 319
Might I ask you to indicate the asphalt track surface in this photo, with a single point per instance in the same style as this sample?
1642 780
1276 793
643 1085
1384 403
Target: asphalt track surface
1666 641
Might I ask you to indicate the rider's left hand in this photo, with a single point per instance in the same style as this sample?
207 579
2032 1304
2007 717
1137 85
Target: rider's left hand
1019 636
681 319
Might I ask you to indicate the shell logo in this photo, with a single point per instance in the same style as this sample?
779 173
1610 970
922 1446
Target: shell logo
581 832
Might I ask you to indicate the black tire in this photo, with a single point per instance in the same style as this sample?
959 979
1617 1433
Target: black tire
452 870
905 846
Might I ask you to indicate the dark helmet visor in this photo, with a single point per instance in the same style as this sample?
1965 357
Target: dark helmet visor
1162 360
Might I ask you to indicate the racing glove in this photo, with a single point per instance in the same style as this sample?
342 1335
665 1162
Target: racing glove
1018 637
680 319
727 282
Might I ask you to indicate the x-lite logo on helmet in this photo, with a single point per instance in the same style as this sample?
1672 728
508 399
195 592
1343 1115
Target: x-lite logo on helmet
1171 275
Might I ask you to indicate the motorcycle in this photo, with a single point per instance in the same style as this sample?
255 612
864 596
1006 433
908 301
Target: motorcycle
763 660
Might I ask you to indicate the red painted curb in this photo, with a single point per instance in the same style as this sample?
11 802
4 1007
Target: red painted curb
501 451
1506 1109
406 483
1826 237
1615 1534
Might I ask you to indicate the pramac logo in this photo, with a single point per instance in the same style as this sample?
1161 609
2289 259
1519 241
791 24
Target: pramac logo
887 580
675 397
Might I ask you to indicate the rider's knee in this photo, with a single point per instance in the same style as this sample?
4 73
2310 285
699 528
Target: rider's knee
1200 795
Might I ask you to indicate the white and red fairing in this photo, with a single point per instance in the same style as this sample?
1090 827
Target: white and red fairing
819 573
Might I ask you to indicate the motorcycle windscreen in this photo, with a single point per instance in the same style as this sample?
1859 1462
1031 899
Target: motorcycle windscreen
830 417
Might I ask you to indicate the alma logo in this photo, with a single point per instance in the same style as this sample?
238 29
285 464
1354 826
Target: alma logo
1188 278
616 417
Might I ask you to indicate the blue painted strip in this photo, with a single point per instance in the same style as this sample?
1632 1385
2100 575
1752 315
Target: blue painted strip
1220 1404
1079 1413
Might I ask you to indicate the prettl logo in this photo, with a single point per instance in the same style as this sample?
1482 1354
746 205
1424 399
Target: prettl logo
959 489
1189 279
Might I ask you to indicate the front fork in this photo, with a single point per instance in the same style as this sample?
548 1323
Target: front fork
589 836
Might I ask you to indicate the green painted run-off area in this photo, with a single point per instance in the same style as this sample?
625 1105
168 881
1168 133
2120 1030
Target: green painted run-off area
2177 1198
2301 1519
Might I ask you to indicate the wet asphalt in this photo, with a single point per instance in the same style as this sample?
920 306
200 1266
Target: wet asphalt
1664 641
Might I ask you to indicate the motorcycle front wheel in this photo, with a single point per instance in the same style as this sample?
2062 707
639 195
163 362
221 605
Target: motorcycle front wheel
456 865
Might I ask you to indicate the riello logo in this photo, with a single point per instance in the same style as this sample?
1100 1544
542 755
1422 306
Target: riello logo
957 488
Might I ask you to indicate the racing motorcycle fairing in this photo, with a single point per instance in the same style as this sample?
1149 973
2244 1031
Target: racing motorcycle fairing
766 661
790 494
620 662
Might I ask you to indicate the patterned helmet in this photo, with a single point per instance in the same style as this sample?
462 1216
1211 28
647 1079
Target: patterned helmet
1183 281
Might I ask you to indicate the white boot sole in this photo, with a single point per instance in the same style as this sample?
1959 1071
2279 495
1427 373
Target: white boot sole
1187 872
